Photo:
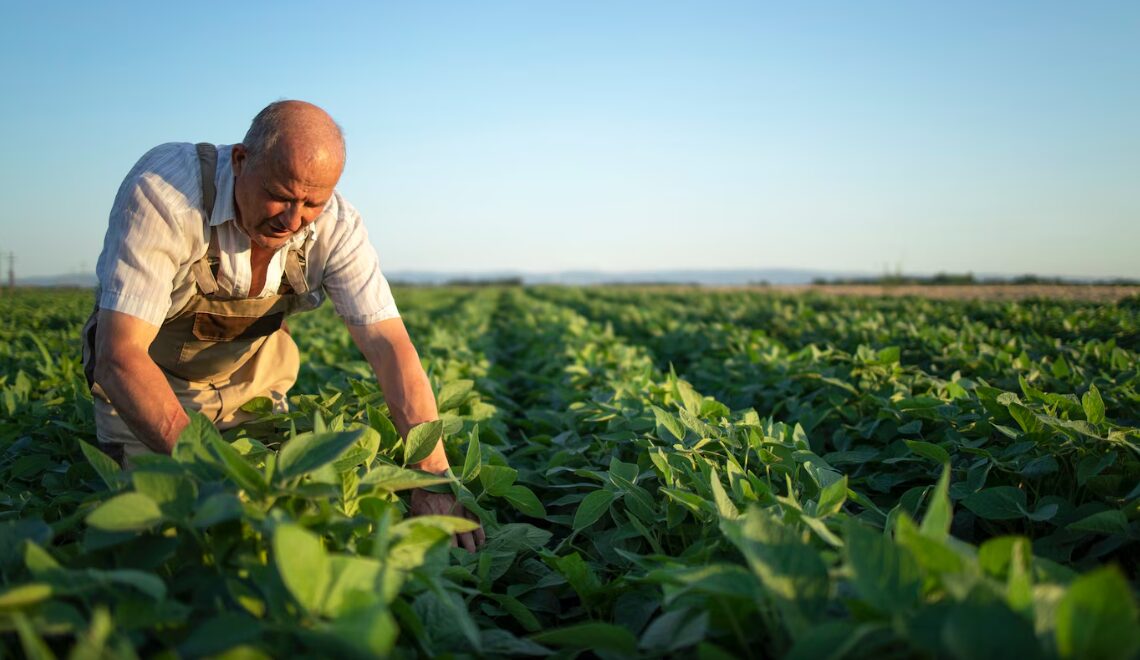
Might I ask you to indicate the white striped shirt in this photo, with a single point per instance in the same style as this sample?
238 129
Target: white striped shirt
157 231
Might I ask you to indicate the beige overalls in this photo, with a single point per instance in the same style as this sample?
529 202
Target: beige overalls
217 353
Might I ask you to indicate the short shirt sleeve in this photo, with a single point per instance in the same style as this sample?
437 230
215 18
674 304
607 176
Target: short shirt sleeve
146 242
352 277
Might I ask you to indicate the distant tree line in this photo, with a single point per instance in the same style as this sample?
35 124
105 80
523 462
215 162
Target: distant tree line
944 279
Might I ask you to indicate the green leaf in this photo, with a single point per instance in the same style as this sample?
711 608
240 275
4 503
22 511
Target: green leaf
307 452
1092 465
1097 617
832 640
411 544
1093 405
23 595
370 631
303 564
590 636
792 571
525 500
625 472
38 560
235 466
145 582
518 610
447 524
935 556
1044 512
392 478
1002 554
988 630
128 512
936 522
219 633
591 508
1112 521
33 646
928 450
675 630
193 442
687 398
421 441
716 579
579 574
352 580
217 508
453 394
382 425
107 469
889 355
174 493
883 573
669 428
1026 419
724 506
471 464
998 503
447 620
831 498
259 405
496 479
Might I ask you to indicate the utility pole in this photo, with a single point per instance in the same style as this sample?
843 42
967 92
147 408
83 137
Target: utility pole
11 271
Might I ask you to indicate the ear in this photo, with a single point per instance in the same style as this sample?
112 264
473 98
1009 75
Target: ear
238 157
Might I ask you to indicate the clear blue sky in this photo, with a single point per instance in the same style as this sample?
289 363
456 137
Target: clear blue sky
967 136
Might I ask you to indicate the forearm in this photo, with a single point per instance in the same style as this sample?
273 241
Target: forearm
407 391
393 357
142 396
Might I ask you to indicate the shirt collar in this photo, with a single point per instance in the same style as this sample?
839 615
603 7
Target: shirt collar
224 208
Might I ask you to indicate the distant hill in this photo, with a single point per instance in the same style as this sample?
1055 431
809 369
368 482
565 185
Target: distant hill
83 280
728 277
578 277
588 277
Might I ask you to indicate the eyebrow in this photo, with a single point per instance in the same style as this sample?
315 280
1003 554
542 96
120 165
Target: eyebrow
286 198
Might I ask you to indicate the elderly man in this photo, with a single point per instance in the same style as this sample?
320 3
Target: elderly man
208 249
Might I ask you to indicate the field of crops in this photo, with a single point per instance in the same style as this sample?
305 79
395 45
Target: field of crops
731 474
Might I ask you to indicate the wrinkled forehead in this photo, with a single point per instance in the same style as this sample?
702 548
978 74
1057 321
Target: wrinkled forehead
309 165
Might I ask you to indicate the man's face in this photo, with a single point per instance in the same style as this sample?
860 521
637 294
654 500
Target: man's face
280 193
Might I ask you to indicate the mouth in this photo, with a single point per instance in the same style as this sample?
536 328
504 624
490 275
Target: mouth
277 229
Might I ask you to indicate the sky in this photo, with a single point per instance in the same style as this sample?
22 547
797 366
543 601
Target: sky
623 136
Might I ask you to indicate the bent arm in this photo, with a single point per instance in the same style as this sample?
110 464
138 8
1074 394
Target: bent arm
389 350
133 383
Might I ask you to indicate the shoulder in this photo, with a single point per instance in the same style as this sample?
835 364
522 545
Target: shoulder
340 211
339 220
169 174
167 158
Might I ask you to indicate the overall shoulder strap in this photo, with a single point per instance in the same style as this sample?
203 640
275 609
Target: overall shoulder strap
203 273
295 269
208 163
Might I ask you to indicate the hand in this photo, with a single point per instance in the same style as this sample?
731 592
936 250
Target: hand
425 503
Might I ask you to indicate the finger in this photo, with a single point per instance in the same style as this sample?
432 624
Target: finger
468 542
453 542
479 536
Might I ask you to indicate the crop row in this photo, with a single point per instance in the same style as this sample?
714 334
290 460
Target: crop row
657 474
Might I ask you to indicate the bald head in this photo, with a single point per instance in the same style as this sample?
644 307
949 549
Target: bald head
286 171
295 130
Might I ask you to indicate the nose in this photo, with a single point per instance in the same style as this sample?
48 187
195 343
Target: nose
292 216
